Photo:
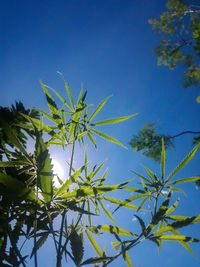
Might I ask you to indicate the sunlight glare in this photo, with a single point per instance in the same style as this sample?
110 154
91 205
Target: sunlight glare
58 171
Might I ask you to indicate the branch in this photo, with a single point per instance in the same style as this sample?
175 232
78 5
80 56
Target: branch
185 132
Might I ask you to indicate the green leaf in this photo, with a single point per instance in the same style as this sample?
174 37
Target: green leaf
75 120
44 168
39 244
128 200
116 245
69 94
115 120
107 137
94 243
172 208
92 139
127 259
14 139
61 98
46 128
69 181
183 220
98 109
120 202
142 224
159 214
96 260
184 244
110 229
185 180
150 174
178 238
76 242
14 163
163 161
16 187
177 190
184 162
107 212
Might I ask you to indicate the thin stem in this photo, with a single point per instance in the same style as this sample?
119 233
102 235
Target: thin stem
60 252
35 226
52 230
185 132
156 202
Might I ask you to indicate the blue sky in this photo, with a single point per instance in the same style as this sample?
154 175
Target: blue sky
106 46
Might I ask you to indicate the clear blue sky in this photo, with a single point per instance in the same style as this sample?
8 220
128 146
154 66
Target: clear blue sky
107 46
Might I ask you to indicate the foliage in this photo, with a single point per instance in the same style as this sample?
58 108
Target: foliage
150 142
180 30
31 202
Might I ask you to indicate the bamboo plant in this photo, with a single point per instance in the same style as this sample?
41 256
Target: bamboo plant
31 202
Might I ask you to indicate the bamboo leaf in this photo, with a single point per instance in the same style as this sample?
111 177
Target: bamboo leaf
178 238
120 202
128 200
107 212
116 245
110 229
159 214
111 121
94 243
127 259
98 108
185 180
184 162
69 181
96 260
163 161
92 139
14 163
142 224
61 98
172 208
184 244
69 94
107 137
177 190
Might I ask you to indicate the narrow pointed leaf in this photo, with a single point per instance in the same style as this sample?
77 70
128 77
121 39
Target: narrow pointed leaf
115 120
107 137
96 260
184 162
127 259
69 182
172 208
185 180
178 238
111 229
120 202
163 160
107 212
92 139
98 108
94 243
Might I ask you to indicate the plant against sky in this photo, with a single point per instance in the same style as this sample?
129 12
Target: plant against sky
179 28
30 201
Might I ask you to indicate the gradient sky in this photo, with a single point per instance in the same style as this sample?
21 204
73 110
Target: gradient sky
106 46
